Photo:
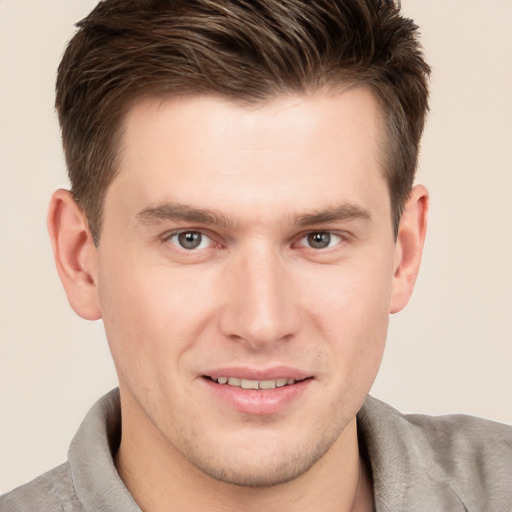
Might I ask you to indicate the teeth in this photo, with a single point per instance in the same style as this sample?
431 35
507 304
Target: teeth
255 384
248 384
234 381
267 384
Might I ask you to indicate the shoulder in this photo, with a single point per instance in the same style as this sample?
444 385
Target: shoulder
474 440
466 457
476 453
53 491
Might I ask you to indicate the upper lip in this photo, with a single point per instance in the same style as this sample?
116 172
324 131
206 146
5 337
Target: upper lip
276 372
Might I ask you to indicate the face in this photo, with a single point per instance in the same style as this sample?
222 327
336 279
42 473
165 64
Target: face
245 276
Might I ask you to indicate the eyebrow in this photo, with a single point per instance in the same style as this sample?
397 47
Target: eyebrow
177 212
180 212
344 212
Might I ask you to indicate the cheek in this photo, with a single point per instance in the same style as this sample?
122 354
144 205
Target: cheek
350 306
356 295
152 313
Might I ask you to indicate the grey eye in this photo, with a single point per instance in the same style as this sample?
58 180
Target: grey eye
319 240
190 239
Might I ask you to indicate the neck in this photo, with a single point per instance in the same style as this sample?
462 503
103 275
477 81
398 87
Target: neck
160 478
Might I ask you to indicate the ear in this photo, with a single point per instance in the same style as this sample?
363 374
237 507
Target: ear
409 247
75 254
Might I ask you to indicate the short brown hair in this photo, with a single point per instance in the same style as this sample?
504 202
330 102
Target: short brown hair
246 50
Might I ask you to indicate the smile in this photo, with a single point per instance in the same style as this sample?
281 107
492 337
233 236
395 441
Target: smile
257 392
254 384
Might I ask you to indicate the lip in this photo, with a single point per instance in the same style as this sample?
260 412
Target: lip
258 402
276 372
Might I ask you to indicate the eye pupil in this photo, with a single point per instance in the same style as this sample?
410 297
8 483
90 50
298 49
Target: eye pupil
319 240
190 239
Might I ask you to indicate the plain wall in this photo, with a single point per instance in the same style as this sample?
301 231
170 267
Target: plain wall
449 351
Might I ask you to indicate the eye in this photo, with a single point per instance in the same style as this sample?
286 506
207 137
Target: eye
320 240
190 240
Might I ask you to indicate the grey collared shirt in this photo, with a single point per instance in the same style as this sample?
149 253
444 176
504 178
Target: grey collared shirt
418 464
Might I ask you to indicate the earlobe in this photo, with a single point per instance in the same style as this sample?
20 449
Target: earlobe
409 247
75 254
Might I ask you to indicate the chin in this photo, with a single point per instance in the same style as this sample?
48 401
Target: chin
258 477
256 470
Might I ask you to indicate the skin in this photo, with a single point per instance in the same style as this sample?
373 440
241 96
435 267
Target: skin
259 185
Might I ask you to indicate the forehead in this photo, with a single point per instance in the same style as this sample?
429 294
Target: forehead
209 152
311 106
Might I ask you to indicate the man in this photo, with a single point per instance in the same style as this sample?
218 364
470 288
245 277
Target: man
243 218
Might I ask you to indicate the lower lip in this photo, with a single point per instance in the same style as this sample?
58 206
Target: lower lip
261 401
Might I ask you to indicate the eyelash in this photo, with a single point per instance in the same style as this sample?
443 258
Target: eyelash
176 234
331 235
174 239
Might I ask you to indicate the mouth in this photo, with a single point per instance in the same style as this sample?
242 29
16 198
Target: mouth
256 391
242 383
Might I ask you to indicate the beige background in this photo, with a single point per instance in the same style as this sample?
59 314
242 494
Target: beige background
449 351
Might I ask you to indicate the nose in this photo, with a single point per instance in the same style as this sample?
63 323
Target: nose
261 304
